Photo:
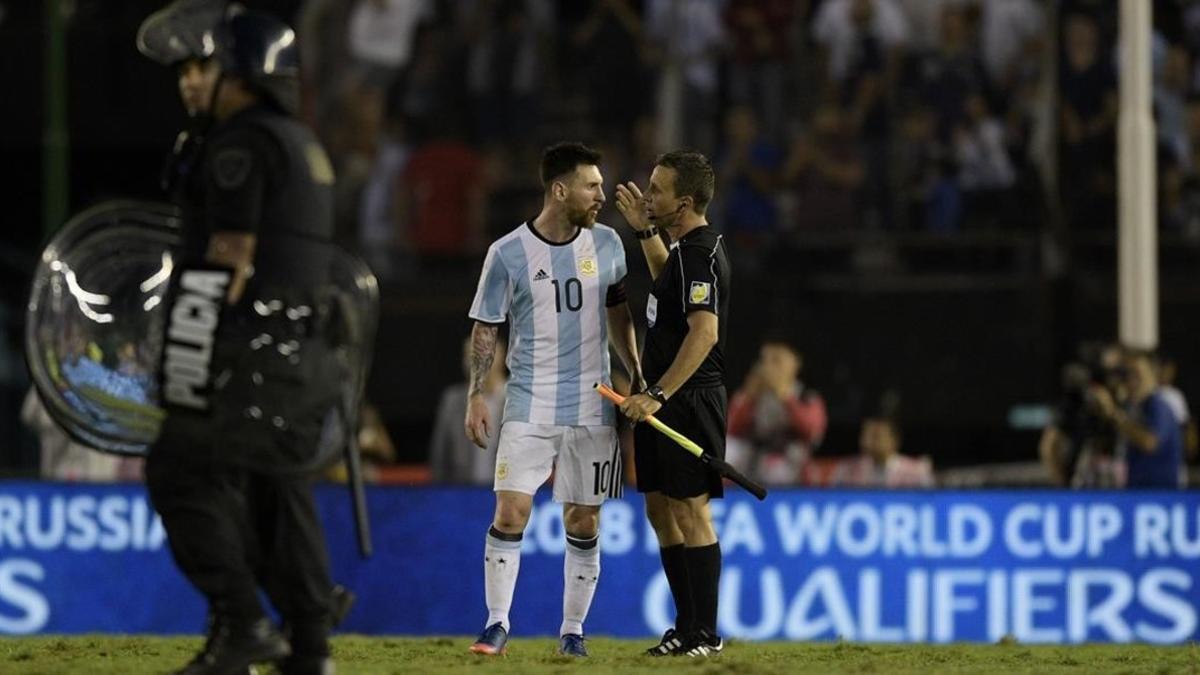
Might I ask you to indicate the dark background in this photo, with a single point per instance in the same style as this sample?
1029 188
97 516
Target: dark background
963 329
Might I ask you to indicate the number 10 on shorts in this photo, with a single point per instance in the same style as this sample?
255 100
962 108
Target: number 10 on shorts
602 477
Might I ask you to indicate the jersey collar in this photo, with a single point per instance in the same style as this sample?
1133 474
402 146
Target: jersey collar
529 224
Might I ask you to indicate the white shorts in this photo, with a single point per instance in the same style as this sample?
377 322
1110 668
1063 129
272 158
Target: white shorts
586 461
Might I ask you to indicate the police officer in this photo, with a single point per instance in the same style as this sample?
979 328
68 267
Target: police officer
687 316
249 382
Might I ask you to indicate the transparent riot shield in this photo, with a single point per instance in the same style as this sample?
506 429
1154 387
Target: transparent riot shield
97 324
93 336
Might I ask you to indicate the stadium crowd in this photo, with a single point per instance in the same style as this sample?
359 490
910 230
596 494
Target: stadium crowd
838 115
873 117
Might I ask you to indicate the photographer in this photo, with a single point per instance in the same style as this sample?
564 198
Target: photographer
1148 434
1078 448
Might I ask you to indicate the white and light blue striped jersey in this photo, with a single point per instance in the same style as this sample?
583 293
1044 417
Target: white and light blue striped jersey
554 297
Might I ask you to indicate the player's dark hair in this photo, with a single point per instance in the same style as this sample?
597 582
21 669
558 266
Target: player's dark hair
693 176
562 158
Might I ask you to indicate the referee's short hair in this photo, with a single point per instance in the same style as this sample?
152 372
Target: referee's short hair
562 158
693 176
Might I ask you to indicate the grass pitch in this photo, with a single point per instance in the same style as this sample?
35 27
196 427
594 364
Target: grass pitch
357 654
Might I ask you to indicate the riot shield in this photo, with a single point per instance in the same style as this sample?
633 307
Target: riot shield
98 341
93 334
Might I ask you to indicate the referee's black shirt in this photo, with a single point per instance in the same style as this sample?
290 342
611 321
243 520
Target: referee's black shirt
694 278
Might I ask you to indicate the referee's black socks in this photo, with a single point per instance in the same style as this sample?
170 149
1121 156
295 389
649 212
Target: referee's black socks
704 573
675 565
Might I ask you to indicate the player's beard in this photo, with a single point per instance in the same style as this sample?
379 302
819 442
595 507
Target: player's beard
582 218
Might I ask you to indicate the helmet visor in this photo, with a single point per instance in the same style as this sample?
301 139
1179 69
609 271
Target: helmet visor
180 31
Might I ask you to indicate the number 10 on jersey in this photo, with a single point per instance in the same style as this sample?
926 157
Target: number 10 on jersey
569 293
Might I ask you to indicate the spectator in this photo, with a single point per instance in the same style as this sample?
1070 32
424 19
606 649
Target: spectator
687 38
374 442
321 27
1149 437
862 83
432 87
504 67
985 171
1171 107
761 51
62 458
380 39
775 423
608 42
825 171
442 198
1180 184
841 27
1078 448
931 193
879 463
453 458
1011 37
1088 112
923 18
1168 371
375 447
377 211
749 174
947 77
381 36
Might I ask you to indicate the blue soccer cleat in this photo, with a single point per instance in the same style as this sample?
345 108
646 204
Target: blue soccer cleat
572 644
492 641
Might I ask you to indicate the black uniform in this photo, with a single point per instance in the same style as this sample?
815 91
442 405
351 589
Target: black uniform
224 477
695 278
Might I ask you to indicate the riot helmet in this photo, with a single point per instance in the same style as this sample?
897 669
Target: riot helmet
253 46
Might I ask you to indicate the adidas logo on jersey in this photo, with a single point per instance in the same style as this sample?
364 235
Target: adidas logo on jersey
541 275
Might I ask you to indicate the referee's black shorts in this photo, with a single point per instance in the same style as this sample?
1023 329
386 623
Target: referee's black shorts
662 465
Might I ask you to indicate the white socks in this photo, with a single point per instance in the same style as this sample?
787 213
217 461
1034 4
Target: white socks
581 569
501 561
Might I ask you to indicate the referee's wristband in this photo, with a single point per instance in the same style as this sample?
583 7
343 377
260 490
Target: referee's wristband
647 233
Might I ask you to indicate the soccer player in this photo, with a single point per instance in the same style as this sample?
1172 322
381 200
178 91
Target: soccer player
687 314
558 280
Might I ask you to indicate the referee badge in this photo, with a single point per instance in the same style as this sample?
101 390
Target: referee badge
587 267
699 293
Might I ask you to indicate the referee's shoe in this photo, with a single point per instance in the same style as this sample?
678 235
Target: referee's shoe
671 644
703 643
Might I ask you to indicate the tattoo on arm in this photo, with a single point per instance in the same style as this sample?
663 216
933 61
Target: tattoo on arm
483 350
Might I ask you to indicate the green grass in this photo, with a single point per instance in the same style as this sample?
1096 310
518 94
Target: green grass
357 654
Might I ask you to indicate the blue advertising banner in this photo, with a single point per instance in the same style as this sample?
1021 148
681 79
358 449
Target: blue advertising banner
1048 567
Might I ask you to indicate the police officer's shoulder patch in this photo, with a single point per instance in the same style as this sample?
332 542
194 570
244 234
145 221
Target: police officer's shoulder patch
700 292
231 167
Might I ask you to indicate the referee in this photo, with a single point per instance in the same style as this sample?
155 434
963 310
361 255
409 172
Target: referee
683 360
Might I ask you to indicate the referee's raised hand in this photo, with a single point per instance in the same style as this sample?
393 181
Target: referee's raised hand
631 206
